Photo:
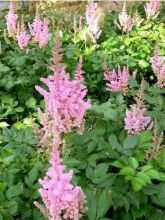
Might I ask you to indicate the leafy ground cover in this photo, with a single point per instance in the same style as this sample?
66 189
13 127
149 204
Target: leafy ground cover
87 141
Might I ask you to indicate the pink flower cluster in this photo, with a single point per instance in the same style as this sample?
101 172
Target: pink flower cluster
65 103
158 66
92 19
22 38
118 82
125 22
135 121
40 31
11 21
60 197
152 9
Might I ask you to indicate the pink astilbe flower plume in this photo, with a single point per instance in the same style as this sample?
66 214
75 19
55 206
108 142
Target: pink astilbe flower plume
11 21
65 109
65 103
118 82
22 37
158 66
61 198
135 120
39 30
152 9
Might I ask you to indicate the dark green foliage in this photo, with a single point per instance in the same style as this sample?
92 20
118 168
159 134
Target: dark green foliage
20 168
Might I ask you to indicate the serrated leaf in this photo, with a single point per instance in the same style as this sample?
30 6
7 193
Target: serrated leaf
104 203
33 174
136 185
130 142
127 171
14 190
153 174
144 177
117 164
134 163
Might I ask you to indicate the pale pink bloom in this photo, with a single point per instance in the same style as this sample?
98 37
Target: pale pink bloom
158 66
125 22
118 82
11 21
22 37
152 9
61 198
135 121
39 30
92 19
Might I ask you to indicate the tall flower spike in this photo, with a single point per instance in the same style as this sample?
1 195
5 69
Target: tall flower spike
39 30
135 120
118 82
158 66
11 21
65 104
22 38
152 9
92 18
126 23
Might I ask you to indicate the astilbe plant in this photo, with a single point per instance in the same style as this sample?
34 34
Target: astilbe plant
152 9
118 82
135 119
65 109
93 16
39 30
11 21
158 66
22 37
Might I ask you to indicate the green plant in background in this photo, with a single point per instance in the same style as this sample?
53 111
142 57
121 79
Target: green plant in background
20 168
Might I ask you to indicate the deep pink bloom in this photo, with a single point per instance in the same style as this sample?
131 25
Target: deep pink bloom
135 121
158 66
61 198
22 38
118 82
40 31
11 21
152 9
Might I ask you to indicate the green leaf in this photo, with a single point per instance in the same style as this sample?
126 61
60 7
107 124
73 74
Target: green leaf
104 203
92 205
110 114
136 184
144 177
153 174
114 144
31 103
3 124
134 163
143 64
117 164
130 142
14 190
33 174
127 171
